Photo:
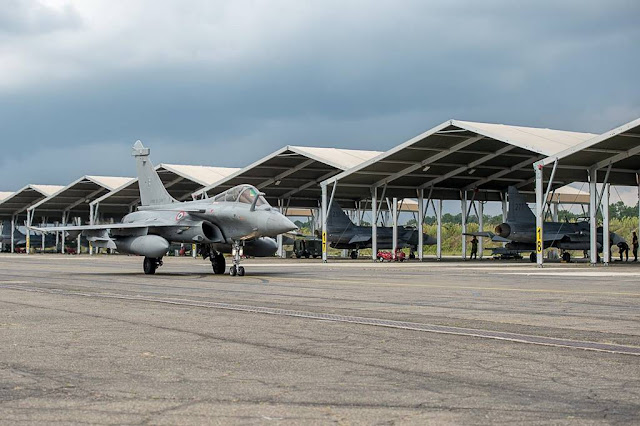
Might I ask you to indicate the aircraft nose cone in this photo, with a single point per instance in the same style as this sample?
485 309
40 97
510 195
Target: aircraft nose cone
279 224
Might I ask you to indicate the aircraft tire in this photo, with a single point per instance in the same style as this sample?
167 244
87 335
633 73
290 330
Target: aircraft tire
533 257
354 254
240 271
149 265
218 264
566 257
233 271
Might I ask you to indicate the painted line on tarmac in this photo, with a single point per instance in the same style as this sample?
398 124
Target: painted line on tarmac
403 325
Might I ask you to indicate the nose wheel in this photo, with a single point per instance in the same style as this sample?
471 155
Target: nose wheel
237 250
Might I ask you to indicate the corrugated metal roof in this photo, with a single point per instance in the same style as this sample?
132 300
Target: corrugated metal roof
17 202
617 151
340 158
47 189
292 172
110 182
542 141
204 175
457 156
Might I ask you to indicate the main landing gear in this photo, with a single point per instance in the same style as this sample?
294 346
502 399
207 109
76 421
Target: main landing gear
236 251
150 265
218 263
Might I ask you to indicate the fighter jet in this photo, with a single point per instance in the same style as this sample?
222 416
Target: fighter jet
239 221
519 232
342 233
20 238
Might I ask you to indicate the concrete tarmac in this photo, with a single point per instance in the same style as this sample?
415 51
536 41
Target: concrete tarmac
94 340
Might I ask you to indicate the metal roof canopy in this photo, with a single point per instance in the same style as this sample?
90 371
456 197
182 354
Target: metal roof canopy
457 156
619 148
612 158
293 173
180 180
74 198
18 202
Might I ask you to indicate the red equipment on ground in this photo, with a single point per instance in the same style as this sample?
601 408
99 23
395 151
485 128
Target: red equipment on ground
386 255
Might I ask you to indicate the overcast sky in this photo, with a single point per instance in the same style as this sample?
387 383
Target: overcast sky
227 82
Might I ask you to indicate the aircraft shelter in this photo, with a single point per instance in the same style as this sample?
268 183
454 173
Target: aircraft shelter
456 160
14 207
612 158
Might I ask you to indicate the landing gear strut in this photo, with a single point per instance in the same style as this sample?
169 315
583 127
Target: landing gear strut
150 265
236 251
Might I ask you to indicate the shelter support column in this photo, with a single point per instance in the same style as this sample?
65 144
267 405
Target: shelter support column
27 234
13 231
480 227
463 204
420 223
323 208
62 233
554 212
57 236
42 234
606 244
439 231
374 223
394 244
593 212
505 208
539 215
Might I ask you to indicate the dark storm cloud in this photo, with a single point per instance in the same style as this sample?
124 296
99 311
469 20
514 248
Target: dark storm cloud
361 75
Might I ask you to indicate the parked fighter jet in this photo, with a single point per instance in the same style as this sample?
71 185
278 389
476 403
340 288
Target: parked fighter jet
344 234
238 221
519 232
20 238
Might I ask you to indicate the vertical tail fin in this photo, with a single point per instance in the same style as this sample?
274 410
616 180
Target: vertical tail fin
152 191
6 229
337 218
518 211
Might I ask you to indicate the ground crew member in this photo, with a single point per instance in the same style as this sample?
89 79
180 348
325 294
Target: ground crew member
635 246
474 248
624 248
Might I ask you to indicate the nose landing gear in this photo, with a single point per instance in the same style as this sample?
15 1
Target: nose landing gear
236 251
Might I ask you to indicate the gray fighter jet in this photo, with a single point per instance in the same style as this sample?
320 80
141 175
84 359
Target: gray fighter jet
519 232
342 233
239 221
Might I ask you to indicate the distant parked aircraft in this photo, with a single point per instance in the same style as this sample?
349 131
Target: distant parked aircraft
519 232
344 234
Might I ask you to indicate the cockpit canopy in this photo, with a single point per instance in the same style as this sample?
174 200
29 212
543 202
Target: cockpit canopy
245 194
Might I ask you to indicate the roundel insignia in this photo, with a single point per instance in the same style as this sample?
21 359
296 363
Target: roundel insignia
180 216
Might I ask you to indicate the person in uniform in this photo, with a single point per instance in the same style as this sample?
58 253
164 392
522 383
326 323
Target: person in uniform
634 243
624 249
474 248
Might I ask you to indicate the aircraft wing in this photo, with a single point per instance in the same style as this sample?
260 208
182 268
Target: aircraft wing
171 209
485 234
359 238
135 225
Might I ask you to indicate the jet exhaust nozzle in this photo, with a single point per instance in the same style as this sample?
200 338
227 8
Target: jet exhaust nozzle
503 230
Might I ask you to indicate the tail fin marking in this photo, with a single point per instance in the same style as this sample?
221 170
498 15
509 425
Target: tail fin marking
519 211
